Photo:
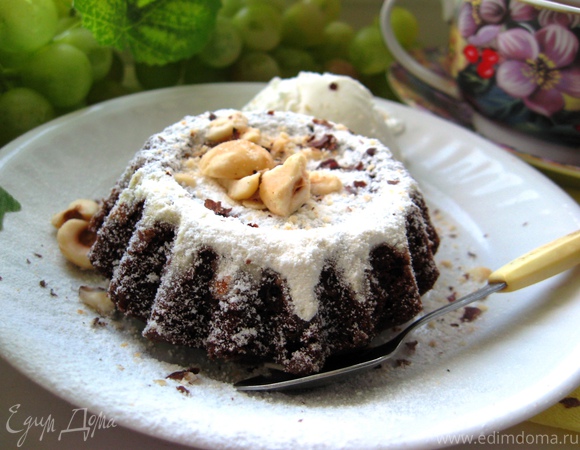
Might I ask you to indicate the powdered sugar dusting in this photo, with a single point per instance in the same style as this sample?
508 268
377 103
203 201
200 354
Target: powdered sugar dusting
341 227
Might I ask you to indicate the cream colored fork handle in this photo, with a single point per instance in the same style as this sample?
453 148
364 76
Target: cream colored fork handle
539 264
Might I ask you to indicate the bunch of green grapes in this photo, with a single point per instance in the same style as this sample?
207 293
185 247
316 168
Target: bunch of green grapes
255 40
48 63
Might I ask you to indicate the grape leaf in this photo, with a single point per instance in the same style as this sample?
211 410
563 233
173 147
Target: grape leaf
156 32
7 204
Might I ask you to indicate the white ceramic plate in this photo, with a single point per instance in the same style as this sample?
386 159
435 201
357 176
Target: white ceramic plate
522 355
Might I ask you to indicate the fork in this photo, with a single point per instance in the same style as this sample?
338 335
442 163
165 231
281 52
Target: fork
533 267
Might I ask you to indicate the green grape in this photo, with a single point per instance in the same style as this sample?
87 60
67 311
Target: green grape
224 46
303 25
280 5
330 8
155 77
195 72
100 57
60 72
368 52
26 25
255 66
64 7
293 60
405 26
21 110
65 23
337 38
259 25
12 60
230 7
341 67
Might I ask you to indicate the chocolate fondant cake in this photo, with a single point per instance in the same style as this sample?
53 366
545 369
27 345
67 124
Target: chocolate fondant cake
265 236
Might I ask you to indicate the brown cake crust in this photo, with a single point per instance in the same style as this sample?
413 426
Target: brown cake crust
249 314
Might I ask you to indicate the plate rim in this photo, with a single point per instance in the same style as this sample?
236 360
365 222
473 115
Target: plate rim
11 150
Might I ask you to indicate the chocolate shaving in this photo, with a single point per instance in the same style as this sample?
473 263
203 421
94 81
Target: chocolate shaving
470 314
393 182
371 151
179 375
97 322
360 184
183 390
331 164
412 345
217 208
326 142
323 122
333 86
183 374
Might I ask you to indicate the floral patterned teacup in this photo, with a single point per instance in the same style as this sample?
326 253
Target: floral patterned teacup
514 61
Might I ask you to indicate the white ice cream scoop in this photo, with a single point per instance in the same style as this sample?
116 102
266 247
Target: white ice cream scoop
336 98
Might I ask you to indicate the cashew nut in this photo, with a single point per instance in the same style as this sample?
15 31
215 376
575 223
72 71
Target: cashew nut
235 159
254 203
323 183
74 240
79 209
252 134
223 128
243 188
286 188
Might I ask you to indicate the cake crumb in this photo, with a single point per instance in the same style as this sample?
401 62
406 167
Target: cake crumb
184 376
446 263
470 313
184 391
97 322
479 274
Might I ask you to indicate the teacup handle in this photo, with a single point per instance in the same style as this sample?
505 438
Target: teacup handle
439 82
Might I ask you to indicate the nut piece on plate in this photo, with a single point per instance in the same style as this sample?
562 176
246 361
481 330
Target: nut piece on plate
75 240
97 299
286 188
79 209
235 159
